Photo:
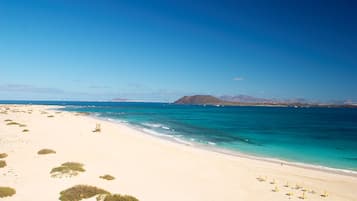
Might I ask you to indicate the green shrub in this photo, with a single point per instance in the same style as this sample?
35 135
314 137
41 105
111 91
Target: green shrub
80 192
2 163
46 151
6 191
116 197
68 169
107 177
3 155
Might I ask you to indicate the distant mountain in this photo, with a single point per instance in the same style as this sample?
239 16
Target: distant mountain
246 99
199 100
243 100
224 100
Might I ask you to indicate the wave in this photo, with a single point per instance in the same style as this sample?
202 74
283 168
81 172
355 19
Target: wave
156 125
156 133
116 120
211 143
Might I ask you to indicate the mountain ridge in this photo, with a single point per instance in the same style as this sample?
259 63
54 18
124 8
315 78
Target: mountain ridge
244 100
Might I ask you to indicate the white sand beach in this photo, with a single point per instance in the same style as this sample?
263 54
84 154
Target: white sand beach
147 167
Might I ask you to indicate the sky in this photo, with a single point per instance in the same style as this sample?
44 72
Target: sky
161 50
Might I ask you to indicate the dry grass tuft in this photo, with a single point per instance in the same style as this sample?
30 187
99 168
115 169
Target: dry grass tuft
68 169
7 120
2 163
25 130
22 125
80 192
6 191
3 155
46 151
50 116
107 177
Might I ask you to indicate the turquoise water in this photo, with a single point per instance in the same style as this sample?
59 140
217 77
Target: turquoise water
318 136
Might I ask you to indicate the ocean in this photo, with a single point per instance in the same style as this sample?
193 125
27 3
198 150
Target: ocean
316 136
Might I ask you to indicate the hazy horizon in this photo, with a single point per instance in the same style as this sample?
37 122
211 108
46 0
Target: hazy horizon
162 50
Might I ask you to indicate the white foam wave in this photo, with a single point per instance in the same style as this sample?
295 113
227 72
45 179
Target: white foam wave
182 141
156 133
116 120
211 143
175 138
156 125
165 127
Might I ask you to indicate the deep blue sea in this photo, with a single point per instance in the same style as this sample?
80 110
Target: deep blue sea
318 136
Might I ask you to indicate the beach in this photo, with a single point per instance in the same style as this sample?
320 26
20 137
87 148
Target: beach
147 167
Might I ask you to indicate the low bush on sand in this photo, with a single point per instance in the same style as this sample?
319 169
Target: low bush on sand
68 169
107 177
116 197
80 192
25 130
2 163
3 155
7 120
50 116
12 123
6 191
22 125
46 151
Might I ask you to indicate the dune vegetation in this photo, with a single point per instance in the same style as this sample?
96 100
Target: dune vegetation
107 177
12 123
6 191
80 192
46 151
116 197
3 155
2 163
67 169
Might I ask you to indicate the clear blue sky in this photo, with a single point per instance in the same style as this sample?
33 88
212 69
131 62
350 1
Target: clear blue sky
161 50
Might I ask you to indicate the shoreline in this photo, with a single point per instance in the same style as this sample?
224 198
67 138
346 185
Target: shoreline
234 153
195 145
145 166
